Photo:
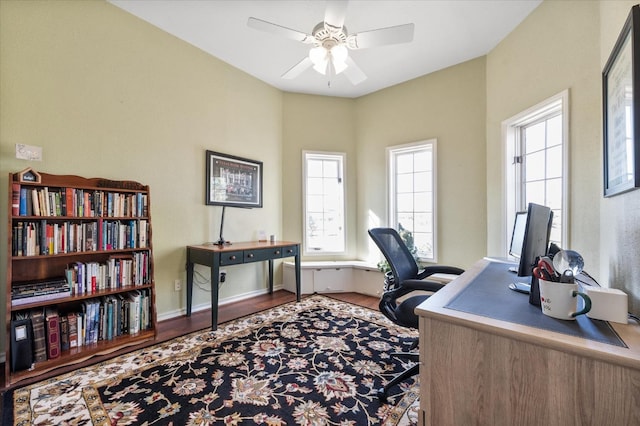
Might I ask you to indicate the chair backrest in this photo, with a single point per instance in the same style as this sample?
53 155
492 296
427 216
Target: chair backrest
403 264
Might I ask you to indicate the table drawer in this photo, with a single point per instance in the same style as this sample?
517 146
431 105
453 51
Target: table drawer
289 251
262 254
231 257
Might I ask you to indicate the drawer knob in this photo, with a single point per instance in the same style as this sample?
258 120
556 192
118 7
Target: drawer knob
277 251
289 251
232 257
250 256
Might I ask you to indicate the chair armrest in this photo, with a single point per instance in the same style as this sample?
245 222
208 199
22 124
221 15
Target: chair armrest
436 269
424 285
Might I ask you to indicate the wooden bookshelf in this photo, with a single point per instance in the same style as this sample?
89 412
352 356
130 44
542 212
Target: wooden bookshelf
95 235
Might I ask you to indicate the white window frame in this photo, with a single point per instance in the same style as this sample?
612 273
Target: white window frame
510 142
341 157
392 216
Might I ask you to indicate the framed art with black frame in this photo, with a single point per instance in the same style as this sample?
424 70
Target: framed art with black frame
233 181
621 112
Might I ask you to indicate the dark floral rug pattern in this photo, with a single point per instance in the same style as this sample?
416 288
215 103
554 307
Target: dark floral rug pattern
317 362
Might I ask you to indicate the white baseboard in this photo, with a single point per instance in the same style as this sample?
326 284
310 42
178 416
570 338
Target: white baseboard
204 306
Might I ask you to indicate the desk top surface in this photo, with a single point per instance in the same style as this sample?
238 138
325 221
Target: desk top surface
244 245
435 308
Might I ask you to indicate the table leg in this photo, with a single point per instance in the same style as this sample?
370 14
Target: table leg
270 276
215 276
189 287
297 257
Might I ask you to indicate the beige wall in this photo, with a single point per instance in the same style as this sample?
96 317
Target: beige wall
449 106
108 95
317 123
554 49
619 215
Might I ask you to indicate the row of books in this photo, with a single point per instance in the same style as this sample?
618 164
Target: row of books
97 319
75 202
117 272
80 278
33 238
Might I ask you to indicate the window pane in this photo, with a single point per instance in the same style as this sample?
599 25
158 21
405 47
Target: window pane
330 169
412 194
535 167
422 161
554 131
423 222
314 168
405 183
556 229
405 220
404 202
423 242
422 182
554 162
314 186
554 194
324 203
314 203
422 202
539 175
535 137
404 163
535 192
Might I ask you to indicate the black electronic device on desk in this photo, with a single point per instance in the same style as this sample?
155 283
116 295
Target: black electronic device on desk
529 240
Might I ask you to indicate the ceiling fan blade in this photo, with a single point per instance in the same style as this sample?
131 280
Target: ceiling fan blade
353 72
334 15
269 27
382 36
298 69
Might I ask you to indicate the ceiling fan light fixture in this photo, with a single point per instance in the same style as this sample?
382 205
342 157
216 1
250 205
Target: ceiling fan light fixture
339 56
318 55
321 67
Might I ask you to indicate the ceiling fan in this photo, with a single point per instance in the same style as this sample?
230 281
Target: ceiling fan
330 43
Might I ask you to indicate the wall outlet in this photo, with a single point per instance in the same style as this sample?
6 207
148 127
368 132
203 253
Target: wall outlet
223 276
177 285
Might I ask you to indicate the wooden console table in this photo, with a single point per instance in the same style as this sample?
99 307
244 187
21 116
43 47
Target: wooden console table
482 371
215 256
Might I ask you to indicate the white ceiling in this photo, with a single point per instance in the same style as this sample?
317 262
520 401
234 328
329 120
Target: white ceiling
446 33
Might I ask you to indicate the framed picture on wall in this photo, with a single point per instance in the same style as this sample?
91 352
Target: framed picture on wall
621 111
233 181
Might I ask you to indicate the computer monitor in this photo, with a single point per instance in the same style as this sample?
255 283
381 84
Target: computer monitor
517 236
535 241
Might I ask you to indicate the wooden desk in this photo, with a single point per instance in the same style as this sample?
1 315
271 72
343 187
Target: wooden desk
481 371
215 256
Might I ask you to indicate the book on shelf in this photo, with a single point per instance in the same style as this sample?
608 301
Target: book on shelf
64 333
15 199
40 298
32 292
134 312
52 324
39 335
21 344
73 329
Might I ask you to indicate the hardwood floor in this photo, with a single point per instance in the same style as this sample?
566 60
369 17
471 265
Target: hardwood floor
179 326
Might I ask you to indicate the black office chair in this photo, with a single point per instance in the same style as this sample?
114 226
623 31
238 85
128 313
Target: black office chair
404 278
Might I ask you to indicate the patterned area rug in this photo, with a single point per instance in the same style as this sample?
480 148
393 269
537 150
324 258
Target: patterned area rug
317 362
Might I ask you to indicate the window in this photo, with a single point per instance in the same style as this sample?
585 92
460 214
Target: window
411 174
324 215
536 163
